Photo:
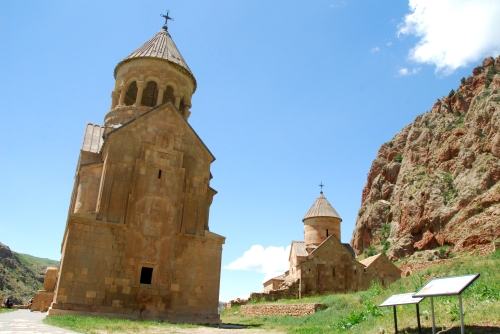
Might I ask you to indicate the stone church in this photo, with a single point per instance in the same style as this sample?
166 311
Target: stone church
137 242
322 264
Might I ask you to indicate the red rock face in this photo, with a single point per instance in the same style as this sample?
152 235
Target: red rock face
436 182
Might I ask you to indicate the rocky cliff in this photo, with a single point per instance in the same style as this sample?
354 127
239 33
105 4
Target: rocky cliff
436 182
21 275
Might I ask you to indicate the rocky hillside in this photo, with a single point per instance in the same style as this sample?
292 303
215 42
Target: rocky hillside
436 182
21 274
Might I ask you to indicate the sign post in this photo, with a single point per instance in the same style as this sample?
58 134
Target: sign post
403 299
446 286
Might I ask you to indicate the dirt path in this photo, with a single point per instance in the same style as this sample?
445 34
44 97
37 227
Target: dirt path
25 321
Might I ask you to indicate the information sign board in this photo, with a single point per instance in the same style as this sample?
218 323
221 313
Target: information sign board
402 299
446 286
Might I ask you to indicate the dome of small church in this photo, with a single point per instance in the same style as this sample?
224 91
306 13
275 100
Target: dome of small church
321 222
321 208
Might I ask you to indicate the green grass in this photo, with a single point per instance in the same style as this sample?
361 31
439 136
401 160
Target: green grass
357 312
5 310
84 324
30 260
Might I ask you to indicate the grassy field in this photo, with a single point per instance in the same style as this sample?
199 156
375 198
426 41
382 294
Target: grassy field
98 325
358 312
5 310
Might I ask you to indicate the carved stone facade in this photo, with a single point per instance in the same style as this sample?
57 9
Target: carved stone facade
137 243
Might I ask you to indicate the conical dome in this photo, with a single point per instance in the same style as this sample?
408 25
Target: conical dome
321 208
160 46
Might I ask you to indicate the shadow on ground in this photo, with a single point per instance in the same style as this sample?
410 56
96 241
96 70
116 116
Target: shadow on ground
235 326
454 330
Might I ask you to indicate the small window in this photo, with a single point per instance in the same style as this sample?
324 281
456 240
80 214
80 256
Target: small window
159 174
146 275
327 233
333 272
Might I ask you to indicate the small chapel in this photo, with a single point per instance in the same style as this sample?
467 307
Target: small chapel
137 242
322 264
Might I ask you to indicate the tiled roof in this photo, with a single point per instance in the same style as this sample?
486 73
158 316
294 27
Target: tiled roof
321 208
300 248
159 46
366 262
349 248
92 139
279 278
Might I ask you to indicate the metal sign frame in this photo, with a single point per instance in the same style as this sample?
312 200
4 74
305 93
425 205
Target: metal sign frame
447 286
403 299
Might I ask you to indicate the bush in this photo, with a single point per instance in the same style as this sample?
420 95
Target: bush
370 251
451 93
462 80
398 158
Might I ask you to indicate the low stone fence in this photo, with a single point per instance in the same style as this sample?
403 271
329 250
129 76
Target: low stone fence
295 310
287 290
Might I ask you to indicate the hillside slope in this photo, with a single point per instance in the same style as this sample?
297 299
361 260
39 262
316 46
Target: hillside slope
21 274
436 182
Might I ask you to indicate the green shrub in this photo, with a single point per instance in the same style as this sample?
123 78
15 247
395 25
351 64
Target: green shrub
398 158
451 93
462 81
386 228
492 70
370 251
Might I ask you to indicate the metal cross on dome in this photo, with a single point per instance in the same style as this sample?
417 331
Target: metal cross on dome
166 18
321 186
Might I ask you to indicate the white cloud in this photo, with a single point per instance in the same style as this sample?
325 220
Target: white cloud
405 71
375 49
453 33
272 261
389 44
338 5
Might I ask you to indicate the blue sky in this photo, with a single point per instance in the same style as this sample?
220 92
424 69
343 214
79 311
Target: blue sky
290 94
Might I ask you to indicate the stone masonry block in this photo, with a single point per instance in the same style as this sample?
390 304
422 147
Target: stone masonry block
90 294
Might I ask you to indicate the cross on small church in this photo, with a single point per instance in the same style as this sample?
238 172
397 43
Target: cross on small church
321 186
166 19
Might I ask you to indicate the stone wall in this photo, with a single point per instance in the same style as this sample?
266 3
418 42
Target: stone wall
287 290
295 310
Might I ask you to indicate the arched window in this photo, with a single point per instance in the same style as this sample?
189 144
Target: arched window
150 94
168 95
131 94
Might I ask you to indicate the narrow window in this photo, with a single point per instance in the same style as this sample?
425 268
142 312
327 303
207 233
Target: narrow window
159 174
327 233
146 275
333 272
